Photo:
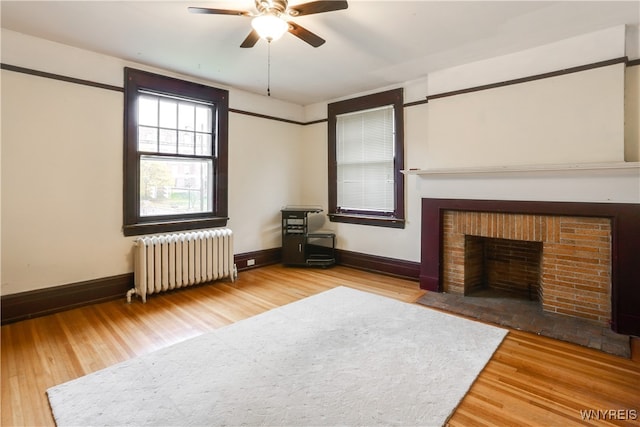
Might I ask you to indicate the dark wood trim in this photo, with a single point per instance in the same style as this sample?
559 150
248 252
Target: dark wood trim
53 76
262 258
625 246
90 83
562 72
313 122
264 116
376 221
389 266
41 302
173 226
59 77
414 103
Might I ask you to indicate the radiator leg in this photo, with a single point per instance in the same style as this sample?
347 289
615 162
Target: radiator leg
129 293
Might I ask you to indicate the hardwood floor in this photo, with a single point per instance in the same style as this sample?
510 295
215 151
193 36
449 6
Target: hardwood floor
530 380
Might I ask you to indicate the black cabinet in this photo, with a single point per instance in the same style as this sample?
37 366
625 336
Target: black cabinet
293 249
300 246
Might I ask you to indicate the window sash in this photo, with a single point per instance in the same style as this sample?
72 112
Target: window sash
177 178
173 125
175 186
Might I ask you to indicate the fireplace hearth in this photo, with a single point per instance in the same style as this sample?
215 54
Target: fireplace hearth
501 309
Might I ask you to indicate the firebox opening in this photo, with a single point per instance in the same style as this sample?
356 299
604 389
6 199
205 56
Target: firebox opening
502 267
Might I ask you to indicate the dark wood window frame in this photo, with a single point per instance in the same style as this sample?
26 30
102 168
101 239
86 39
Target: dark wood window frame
134 224
396 219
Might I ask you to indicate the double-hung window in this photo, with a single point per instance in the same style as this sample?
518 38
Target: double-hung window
175 154
365 160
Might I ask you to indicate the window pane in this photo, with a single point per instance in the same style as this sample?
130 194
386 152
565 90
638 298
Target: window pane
352 195
378 187
148 111
186 116
203 119
366 187
170 186
147 139
168 141
186 144
168 114
203 144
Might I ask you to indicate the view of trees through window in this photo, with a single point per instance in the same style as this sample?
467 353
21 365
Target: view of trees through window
171 186
175 143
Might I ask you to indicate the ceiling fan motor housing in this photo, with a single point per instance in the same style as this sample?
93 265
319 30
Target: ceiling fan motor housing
276 7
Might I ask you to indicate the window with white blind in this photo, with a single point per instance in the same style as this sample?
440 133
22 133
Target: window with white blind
366 156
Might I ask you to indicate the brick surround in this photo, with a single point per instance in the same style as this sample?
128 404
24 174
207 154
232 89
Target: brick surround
575 276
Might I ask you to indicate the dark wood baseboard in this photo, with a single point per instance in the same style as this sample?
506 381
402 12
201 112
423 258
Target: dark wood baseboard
41 302
261 258
390 266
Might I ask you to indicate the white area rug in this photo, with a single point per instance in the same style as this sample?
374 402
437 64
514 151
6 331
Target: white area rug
342 357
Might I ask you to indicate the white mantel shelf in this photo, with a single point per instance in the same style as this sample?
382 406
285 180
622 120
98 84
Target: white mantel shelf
570 167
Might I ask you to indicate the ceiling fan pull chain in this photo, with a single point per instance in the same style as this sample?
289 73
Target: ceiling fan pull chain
268 67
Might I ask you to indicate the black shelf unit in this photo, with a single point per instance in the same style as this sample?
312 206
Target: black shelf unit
300 247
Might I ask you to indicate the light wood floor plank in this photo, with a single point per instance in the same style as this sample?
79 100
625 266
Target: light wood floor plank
531 380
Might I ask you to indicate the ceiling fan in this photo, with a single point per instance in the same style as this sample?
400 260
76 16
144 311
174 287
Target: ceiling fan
272 19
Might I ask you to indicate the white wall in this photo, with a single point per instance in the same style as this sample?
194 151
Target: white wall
265 175
632 115
61 184
62 167
576 117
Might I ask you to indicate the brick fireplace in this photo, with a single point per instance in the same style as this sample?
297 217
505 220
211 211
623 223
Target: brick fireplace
590 253
564 261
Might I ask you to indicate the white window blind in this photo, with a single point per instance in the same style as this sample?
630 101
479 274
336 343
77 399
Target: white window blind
365 160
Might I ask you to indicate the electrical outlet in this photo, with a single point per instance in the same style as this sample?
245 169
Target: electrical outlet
251 262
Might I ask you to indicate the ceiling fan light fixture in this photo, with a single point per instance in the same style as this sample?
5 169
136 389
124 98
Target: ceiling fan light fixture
269 26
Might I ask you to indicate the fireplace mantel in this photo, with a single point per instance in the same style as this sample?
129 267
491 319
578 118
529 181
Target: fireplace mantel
518 169
625 245
605 182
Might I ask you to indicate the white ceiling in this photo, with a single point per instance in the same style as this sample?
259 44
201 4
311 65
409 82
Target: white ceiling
372 44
